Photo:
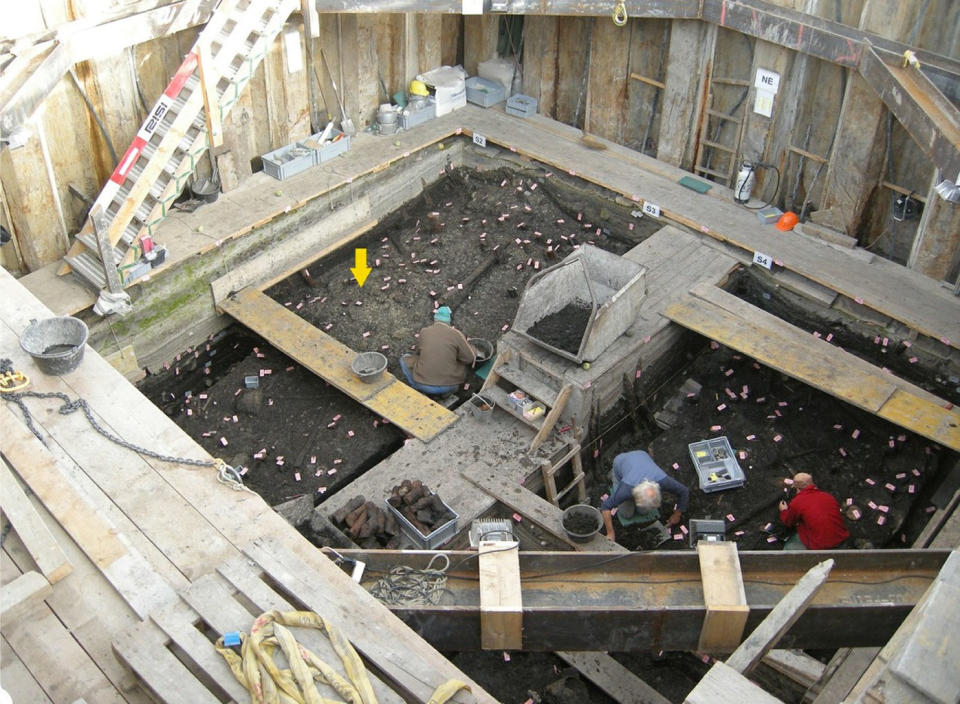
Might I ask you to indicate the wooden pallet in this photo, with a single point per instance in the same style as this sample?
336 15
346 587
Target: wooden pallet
173 656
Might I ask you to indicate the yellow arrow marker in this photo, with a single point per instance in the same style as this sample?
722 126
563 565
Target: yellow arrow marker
360 270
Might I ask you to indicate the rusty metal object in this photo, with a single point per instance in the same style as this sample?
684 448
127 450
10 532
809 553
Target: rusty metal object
654 601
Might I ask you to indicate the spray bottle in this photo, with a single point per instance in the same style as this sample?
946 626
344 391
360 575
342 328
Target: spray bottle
744 183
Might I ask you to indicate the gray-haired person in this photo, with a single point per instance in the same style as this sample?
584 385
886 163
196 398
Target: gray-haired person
638 484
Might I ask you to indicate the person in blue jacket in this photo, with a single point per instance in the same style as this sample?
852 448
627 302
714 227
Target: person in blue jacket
638 486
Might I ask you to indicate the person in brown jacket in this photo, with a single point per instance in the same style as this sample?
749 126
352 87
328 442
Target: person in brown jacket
442 357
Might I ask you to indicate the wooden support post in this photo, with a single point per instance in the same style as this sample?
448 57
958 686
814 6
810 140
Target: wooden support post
936 247
540 61
501 604
779 620
724 597
211 102
100 228
689 59
34 535
480 33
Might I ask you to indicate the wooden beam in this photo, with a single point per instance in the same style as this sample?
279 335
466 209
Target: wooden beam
633 601
501 603
932 120
326 357
208 84
724 597
613 678
724 684
80 42
125 568
38 541
723 317
779 620
648 81
19 595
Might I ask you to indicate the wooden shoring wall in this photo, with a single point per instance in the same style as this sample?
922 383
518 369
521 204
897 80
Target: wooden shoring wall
580 69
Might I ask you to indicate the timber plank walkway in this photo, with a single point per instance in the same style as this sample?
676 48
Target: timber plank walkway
139 532
893 290
913 299
725 318
402 405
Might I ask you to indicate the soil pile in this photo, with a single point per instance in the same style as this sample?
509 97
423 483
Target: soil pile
565 328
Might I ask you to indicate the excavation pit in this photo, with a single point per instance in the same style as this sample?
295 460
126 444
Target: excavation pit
298 436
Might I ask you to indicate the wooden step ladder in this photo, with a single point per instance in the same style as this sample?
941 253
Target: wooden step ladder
539 384
549 470
721 132
180 128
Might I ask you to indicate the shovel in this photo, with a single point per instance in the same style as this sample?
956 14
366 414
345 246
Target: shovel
345 122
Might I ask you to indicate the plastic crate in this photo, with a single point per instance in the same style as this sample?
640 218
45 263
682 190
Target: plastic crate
426 542
484 92
411 118
286 161
331 148
716 465
521 105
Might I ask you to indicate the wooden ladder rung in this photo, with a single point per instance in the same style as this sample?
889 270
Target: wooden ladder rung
723 116
730 81
717 145
550 469
705 170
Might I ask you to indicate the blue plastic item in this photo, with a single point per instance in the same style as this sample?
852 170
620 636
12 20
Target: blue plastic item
231 639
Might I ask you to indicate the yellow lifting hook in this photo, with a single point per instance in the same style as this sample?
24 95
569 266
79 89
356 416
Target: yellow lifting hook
620 14
11 382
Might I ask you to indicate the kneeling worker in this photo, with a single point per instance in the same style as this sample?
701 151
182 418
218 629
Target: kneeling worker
442 357
637 491
816 516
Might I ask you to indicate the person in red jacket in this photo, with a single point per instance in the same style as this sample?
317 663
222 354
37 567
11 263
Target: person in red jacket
816 516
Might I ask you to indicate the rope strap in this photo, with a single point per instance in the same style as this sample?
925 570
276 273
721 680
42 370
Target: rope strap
256 669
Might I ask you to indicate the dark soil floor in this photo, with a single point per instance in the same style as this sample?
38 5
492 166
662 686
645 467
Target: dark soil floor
472 241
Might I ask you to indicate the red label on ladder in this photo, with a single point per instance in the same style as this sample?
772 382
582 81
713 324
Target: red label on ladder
186 69
150 125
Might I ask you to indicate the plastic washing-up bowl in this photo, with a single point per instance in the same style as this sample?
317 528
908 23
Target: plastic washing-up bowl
368 366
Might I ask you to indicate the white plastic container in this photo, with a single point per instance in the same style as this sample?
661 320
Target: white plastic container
449 87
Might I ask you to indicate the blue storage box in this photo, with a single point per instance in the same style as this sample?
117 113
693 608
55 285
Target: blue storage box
521 105
484 92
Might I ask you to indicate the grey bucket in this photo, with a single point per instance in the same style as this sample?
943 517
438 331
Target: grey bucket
482 407
368 366
483 348
56 344
582 510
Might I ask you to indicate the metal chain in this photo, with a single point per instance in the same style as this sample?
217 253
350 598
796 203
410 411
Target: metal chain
225 473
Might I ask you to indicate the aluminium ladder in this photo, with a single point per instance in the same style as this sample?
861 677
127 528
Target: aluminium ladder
174 136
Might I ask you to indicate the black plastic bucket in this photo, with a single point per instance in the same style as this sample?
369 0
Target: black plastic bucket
56 344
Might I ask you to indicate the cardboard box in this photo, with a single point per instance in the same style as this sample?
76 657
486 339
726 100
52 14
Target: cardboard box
448 84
